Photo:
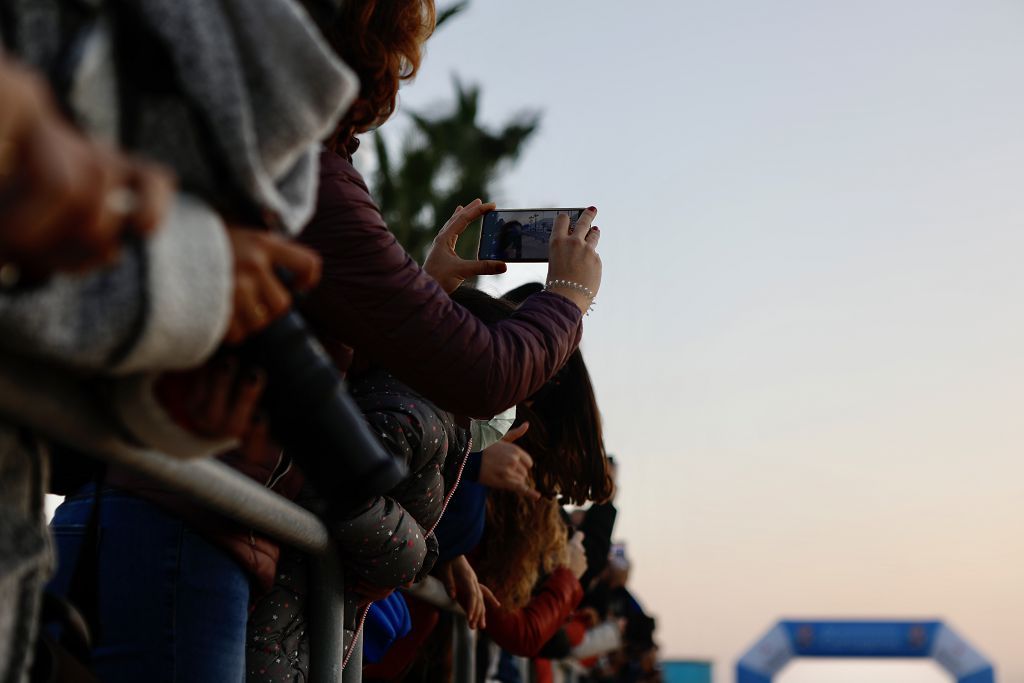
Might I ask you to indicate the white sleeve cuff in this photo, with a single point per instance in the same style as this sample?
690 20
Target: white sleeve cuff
189 285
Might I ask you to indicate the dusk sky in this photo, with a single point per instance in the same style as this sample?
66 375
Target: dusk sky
809 343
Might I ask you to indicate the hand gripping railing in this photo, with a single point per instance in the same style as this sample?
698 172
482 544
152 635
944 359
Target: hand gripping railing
432 592
57 405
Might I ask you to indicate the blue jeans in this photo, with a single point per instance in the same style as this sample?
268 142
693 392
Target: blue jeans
172 606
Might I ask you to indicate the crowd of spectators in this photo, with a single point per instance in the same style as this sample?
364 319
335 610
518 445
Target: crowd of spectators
178 206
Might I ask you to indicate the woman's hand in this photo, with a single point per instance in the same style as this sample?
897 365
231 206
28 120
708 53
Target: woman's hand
573 258
66 203
260 297
464 588
575 555
505 465
444 264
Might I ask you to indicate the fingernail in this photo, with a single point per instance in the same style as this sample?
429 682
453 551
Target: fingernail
592 209
596 229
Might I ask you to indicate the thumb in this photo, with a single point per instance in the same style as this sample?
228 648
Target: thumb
471 268
489 597
516 432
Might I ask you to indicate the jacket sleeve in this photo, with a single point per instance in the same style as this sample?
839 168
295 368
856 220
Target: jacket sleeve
524 632
163 305
374 297
384 545
416 436
462 526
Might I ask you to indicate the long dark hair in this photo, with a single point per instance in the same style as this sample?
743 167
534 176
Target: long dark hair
565 438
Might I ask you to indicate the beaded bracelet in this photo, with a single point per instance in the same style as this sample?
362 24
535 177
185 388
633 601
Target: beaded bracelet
569 284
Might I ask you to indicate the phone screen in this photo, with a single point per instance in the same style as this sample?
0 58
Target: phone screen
520 235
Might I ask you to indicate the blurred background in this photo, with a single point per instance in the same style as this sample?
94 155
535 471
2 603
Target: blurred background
809 343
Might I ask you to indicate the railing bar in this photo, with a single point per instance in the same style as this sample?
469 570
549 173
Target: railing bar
58 407
326 611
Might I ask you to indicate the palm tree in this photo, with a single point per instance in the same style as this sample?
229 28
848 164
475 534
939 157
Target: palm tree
446 159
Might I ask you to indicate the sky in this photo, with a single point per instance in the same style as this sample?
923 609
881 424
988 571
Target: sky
808 346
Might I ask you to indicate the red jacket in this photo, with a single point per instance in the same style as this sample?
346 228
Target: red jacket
524 632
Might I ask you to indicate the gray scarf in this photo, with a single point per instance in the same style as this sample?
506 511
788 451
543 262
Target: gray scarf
256 88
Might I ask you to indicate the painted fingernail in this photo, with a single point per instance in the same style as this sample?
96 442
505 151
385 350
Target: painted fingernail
592 209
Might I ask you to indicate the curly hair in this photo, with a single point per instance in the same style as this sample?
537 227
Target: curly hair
382 41
511 560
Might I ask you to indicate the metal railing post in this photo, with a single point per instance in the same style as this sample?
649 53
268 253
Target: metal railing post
326 625
463 651
525 670
354 671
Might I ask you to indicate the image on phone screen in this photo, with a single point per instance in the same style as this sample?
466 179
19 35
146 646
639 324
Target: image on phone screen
520 235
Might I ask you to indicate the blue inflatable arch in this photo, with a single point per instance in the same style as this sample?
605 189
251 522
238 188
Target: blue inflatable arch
882 639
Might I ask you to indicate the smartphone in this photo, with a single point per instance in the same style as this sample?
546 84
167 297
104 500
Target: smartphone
520 235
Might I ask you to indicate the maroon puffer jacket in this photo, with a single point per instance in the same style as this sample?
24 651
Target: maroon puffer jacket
375 298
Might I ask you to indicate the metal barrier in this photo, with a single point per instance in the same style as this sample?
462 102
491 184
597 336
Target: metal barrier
432 592
57 405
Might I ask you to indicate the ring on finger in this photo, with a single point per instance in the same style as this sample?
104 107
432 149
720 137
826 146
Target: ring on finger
259 312
10 275
122 201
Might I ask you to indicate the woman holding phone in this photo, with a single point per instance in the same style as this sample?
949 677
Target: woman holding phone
375 302
376 299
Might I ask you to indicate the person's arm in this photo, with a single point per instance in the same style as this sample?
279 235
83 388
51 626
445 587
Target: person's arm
374 297
462 526
383 545
67 203
164 304
524 632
